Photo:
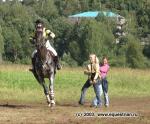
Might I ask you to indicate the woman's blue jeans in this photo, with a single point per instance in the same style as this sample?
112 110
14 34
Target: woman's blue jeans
96 90
104 87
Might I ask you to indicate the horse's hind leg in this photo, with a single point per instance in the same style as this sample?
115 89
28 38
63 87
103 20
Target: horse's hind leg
36 76
51 87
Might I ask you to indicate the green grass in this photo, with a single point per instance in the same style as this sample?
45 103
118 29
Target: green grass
17 84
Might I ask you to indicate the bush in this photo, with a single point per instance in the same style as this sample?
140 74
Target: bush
85 63
118 61
146 51
135 58
26 61
67 60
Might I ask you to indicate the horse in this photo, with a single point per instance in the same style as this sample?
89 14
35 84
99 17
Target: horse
44 67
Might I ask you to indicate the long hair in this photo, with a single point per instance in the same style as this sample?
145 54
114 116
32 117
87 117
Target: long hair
102 61
96 60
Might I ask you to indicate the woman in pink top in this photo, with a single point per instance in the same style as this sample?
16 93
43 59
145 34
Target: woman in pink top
104 68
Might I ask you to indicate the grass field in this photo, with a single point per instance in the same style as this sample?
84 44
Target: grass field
22 97
17 83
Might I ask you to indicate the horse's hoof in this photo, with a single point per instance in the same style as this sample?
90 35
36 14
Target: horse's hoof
52 105
49 105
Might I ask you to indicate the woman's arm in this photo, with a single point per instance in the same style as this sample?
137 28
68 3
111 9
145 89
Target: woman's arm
96 71
50 33
87 71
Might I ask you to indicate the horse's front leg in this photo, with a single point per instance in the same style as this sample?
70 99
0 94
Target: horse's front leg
51 87
42 82
46 93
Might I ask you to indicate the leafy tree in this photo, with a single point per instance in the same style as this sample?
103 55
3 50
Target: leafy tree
29 2
146 51
66 7
134 55
94 4
1 44
46 9
76 41
62 29
90 37
143 19
84 5
68 61
12 43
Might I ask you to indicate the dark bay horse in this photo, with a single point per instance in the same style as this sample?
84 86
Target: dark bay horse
44 67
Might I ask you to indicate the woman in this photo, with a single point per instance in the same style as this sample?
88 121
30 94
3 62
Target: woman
104 68
93 79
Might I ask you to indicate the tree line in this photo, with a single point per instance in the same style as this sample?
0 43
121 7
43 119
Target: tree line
74 41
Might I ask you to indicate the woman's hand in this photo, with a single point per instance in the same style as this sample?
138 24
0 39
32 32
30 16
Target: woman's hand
92 82
87 72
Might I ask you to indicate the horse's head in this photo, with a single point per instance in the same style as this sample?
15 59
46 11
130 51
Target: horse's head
41 45
40 40
43 53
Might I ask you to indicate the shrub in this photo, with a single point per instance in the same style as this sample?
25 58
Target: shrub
134 55
67 60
